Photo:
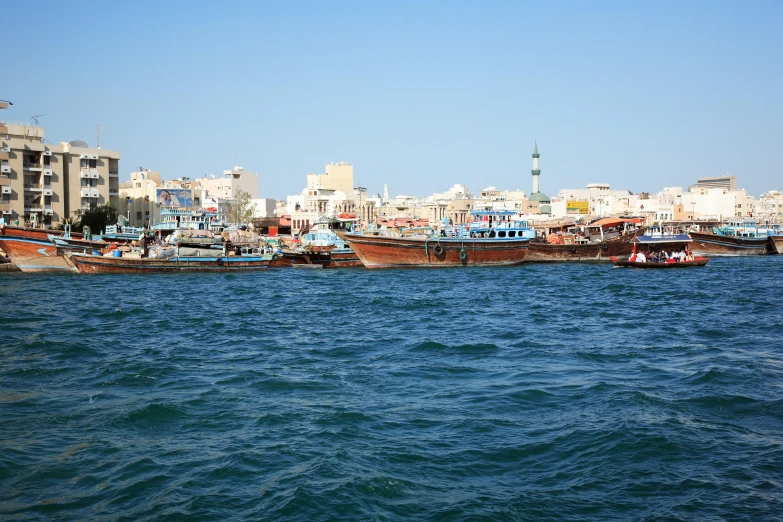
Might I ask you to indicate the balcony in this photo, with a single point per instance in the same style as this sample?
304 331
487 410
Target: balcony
5 207
32 167
5 189
114 192
5 148
114 172
6 169
90 193
88 156
33 187
33 208
48 192
47 170
88 173
4 181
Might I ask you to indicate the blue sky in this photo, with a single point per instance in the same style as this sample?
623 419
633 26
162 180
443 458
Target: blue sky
419 95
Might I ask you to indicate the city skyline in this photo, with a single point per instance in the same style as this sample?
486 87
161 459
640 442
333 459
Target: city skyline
416 97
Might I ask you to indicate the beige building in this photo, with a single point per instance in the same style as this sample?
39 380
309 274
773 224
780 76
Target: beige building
225 186
138 198
43 183
338 177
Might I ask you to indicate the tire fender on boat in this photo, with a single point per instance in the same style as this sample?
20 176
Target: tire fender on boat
604 245
438 249
463 255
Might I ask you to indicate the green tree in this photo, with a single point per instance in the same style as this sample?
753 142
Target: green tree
95 217
241 209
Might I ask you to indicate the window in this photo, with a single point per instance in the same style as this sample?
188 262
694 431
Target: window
138 215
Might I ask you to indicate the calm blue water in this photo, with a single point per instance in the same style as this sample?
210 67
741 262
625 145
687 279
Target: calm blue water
527 393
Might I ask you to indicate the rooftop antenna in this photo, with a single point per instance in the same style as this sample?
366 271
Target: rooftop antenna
35 118
98 134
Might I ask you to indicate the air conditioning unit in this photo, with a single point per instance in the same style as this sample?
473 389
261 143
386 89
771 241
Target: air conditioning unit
5 190
47 153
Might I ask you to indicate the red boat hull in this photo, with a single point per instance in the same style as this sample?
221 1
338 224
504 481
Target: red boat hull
714 245
394 252
30 249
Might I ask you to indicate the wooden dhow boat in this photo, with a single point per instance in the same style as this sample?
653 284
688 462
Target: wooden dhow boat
109 264
31 249
497 240
592 244
734 238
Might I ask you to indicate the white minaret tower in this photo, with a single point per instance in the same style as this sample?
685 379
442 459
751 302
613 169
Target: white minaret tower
385 193
536 169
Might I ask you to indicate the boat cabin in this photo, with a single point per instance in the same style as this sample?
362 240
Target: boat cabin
499 224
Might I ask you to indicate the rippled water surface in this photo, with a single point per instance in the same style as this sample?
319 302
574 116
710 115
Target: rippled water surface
526 393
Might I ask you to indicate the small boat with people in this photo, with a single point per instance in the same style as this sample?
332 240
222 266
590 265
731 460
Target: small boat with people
494 238
660 250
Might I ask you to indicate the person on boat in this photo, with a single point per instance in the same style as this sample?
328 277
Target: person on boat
641 258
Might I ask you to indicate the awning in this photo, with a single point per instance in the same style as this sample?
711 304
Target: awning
654 240
614 222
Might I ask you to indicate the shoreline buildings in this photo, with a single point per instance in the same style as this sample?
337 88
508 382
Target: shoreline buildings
43 183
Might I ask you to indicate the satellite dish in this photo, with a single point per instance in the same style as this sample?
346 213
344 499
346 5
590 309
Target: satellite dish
78 143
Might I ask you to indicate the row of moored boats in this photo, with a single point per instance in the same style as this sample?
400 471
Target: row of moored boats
491 238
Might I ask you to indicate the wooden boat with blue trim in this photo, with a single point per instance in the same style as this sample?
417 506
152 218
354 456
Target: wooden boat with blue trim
103 264
734 238
648 248
502 242
30 249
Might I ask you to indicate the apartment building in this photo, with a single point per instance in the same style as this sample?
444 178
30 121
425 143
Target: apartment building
43 183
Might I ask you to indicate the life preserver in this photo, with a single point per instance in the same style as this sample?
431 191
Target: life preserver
438 249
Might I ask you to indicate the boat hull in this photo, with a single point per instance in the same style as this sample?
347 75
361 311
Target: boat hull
90 264
397 252
707 244
542 252
699 261
775 245
30 253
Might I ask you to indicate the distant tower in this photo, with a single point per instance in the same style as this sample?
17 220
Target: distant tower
536 169
385 192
